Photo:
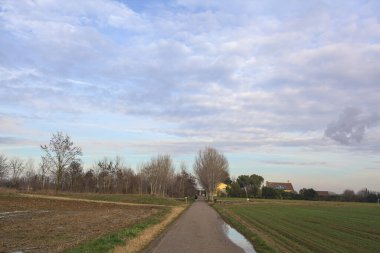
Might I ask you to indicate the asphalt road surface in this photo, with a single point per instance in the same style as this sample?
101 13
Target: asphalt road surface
198 230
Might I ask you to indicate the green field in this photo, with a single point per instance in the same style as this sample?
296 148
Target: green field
306 226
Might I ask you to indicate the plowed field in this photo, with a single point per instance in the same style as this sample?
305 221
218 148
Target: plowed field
51 225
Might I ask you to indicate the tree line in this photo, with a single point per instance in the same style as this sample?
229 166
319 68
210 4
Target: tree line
61 169
251 186
348 195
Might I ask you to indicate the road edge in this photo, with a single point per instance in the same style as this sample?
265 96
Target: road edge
259 244
150 235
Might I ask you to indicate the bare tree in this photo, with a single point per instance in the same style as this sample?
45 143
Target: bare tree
75 172
16 166
105 169
44 168
89 181
29 173
184 183
60 152
3 167
158 173
211 168
141 179
182 177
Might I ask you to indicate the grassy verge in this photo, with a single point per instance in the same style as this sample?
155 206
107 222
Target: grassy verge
144 240
108 242
258 243
307 226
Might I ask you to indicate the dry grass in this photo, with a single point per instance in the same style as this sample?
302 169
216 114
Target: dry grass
141 241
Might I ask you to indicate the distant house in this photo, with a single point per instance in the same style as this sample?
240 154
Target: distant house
221 190
287 187
323 194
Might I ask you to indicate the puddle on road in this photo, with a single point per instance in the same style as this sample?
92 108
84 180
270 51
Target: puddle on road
238 239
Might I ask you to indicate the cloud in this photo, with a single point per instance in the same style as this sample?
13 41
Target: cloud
303 164
243 75
8 140
351 126
372 168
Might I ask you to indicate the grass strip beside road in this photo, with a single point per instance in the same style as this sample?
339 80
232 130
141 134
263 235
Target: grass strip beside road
141 241
108 242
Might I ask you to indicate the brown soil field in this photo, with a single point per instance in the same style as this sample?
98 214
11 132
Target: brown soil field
52 225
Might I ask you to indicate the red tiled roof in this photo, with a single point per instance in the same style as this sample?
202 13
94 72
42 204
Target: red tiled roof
280 186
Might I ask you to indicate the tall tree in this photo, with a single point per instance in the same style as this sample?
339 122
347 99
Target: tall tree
89 181
251 184
256 183
184 184
309 194
159 172
3 167
60 153
348 195
29 173
75 172
104 170
211 168
16 166
244 182
43 168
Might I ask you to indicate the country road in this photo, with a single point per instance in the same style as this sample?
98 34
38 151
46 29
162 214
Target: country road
199 229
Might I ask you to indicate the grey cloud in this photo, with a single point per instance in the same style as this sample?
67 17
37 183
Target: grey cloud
208 79
351 126
372 168
6 140
275 162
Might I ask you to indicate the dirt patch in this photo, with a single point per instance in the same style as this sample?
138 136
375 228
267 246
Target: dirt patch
53 225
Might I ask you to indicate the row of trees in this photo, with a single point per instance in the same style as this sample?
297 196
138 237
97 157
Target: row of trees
13 169
245 186
61 169
106 176
304 194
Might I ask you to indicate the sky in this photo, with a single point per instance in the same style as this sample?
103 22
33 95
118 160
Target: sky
289 90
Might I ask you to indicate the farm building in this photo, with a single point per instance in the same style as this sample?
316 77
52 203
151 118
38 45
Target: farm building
287 187
221 190
322 193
